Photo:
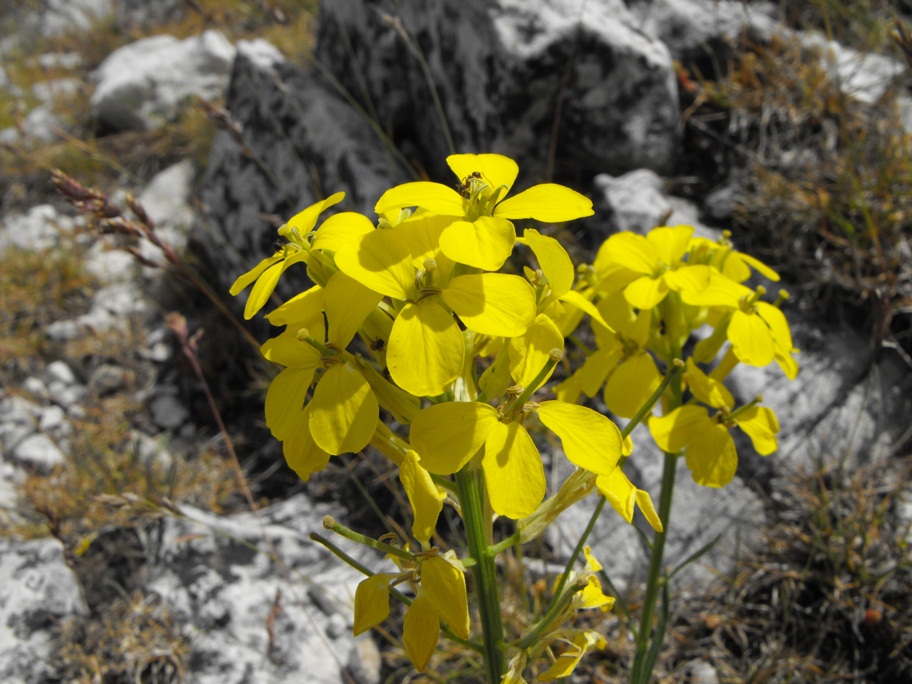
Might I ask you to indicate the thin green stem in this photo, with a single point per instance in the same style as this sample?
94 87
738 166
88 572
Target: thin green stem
471 499
642 670
331 524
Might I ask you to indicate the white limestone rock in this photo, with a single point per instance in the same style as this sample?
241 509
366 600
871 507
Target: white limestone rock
143 84
38 591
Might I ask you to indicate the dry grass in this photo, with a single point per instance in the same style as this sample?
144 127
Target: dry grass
825 178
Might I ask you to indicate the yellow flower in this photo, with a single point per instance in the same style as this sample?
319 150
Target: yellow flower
481 233
265 275
426 351
343 413
447 436
708 446
441 595
758 331
622 362
647 268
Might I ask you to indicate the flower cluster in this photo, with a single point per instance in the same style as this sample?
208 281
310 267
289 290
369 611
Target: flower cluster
410 316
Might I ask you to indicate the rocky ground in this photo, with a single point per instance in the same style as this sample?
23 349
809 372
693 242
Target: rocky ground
130 551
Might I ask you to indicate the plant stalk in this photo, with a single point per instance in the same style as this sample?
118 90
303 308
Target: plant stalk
471 499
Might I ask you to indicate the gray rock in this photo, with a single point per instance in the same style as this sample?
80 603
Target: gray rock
142 13
107 379
35 386
864 76
701 672
61 16
59 372
48 91
60 60
109 264
143 84
507 74
52 421
295 129
364 661
38 230
152 452
167 411
636 201
39 453
692 29
38 591
167 202
248 612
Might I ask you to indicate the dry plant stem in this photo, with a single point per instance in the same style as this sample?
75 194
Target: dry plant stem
178 324
484 571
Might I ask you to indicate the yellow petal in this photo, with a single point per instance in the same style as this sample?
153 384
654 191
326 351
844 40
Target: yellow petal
495 169
263 288
646 292
676 430
576 299
425 497
761 425
301 452
288 350
592 596
707 389
420 631
530 352
670 242
689 278
435 197
589 439
513 471
304 309
548 202
569 659
720 291
372 601
484 243
341 229
751 339
492 303
380 260
758 266
426 351
632 251
553 261
344 411
242 281
631 384
347 303
305 220
285 400
622 495
446 436
597 366
444 585
711 456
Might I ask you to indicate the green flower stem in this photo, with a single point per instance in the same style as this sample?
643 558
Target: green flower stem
330 524
674 371
642 666
647 643
484 571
